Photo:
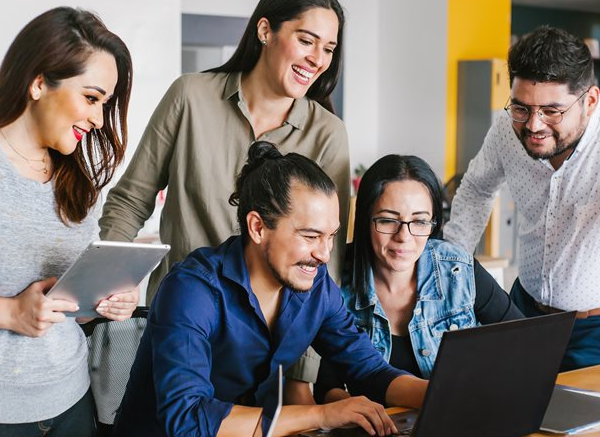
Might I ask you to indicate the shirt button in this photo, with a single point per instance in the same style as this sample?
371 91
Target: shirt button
417 311
425 352
453 327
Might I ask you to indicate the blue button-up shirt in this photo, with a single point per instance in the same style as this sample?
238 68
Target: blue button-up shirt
207 346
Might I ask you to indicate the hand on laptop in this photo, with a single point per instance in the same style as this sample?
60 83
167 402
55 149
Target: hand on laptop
119 306
360 411
31 312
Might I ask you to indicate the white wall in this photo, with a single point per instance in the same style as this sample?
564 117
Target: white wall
412 79
361 80
228 8
150 28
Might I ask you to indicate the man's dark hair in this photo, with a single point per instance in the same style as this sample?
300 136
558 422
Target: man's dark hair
277 12
390 168
265 181
549 54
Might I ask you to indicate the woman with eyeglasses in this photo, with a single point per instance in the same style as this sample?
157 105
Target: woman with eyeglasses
404 286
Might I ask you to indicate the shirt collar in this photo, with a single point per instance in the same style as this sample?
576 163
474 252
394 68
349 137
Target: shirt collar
234 264
589 135
297 116
368 299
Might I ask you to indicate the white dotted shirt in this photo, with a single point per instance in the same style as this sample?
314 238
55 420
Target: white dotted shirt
559 222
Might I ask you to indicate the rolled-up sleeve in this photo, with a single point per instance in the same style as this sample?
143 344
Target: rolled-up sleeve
183 318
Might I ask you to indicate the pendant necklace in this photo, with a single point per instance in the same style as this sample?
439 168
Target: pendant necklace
29 161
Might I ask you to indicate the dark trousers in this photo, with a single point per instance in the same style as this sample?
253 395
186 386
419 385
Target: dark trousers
583 349
77 421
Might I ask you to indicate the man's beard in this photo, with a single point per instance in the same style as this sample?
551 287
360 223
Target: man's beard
285 282
560 145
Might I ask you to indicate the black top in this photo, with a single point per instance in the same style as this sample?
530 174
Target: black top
492 305
402 356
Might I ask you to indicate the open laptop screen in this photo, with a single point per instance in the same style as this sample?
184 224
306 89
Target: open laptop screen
495 379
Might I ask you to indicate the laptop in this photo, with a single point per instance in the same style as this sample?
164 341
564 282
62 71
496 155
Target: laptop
494 381
268 418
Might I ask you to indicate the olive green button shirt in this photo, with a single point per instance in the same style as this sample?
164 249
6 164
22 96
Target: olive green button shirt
196 143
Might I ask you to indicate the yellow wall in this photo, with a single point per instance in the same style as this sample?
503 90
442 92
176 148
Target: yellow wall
476 30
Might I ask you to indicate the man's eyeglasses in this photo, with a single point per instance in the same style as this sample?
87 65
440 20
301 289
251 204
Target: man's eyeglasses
548 114
417 228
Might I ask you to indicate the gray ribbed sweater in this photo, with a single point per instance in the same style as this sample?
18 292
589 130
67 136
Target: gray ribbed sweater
39 377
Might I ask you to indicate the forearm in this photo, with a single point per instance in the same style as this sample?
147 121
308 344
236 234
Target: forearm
125 211
492 303
296 418
472 204
297 393
469 215
292 419
406 391
335 394
6 309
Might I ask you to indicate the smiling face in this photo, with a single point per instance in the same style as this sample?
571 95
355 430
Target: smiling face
405 200
545 141
62 115
302 240
299 52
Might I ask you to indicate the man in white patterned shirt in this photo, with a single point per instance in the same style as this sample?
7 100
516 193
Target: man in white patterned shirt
547 148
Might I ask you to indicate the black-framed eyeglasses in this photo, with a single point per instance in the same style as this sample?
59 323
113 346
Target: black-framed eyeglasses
417 228
548 114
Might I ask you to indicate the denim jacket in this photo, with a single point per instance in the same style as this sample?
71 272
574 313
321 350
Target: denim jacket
445 301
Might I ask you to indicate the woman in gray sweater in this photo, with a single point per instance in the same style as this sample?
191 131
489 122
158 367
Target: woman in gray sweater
64 89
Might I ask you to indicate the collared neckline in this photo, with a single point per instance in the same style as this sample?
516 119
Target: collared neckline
297 116
427 271
369 299
234 264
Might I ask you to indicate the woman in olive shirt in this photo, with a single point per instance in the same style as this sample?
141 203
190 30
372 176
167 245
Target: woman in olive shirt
276 87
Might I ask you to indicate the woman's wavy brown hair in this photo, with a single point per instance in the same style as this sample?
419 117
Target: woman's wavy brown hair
57 45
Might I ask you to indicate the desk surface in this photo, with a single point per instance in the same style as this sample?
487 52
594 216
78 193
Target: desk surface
588 378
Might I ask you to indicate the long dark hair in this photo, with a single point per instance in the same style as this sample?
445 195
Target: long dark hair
550 54
277 12
265 181
57 45
388 169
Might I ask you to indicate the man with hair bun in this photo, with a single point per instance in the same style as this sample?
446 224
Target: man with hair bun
547 149
225 318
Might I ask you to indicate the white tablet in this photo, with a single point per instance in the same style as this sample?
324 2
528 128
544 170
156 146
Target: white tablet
103 269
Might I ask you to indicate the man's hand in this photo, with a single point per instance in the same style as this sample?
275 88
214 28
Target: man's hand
31 313
119 306
360 411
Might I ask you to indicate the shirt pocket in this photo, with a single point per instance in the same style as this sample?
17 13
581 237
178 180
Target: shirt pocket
452 322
